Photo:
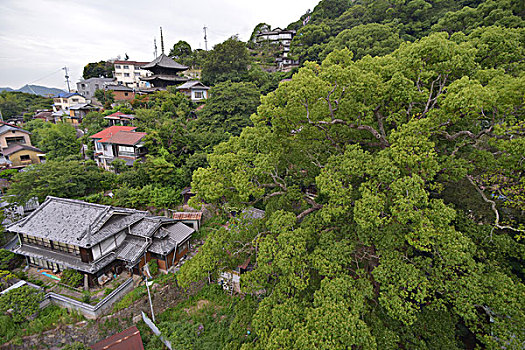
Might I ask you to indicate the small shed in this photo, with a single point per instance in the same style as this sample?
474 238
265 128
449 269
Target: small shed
191 219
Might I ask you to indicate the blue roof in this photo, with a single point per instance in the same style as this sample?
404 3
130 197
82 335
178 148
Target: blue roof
67 94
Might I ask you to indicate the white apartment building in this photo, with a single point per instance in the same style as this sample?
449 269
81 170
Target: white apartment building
128 73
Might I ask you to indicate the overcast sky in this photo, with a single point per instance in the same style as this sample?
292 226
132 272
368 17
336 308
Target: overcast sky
39 37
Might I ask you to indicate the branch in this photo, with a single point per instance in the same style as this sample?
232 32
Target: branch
374 132
315 207
379 117
494 209
466 133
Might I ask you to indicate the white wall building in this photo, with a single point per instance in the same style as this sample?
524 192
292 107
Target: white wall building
128 73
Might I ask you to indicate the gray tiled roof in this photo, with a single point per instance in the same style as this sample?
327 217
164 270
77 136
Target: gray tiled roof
165 62
132 249
65 259
176 234
148 226
193 83
75 222
6 128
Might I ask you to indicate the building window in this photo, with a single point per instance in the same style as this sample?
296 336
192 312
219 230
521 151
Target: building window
126 94
25 157
118 74
126 74
126 67
117 66
137 74
198 94
15 140
59 246
126 151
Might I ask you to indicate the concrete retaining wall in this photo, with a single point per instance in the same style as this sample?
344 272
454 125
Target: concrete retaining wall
89 311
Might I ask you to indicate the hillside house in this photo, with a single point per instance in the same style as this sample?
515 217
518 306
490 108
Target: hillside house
98 240
195 90
46 116
283 38
16 149
13 135
121 92
88 87
21 156
118 142
78 112
63 101
119 118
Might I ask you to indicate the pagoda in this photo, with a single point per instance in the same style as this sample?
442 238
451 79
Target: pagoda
165 72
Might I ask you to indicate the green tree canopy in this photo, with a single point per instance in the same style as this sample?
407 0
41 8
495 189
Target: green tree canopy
58 141
368 39
68 179
383 181
180 50
229 108
227 61
98 69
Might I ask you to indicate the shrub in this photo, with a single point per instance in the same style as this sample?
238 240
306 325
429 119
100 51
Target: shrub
25 302
86 297
71 277
153 267
8 260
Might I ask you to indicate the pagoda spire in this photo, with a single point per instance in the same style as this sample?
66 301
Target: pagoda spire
161 41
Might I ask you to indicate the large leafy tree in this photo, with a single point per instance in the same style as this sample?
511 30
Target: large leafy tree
383 181
229 107
68 179
181 50
58 141
98 69
227 61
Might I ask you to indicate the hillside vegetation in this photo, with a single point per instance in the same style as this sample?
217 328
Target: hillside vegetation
391 172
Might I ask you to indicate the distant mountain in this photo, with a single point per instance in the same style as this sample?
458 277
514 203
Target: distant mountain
35 90
40 90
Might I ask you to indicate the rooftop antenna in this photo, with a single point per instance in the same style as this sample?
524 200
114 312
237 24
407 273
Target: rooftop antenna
161 41
155 45
205 39
67 80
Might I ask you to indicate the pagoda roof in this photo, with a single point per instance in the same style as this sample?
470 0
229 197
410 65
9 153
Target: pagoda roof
164 61
165 77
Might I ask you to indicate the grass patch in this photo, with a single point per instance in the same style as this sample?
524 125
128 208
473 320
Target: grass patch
48 318
131 297
206 320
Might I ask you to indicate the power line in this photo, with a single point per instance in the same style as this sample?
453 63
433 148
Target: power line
46 76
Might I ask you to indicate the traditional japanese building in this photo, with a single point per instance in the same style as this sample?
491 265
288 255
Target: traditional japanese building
98 241
165 72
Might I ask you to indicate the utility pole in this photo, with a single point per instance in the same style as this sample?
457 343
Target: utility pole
161 42
149 296
205 39
67 79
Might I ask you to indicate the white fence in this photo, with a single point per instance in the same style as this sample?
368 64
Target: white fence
89 311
